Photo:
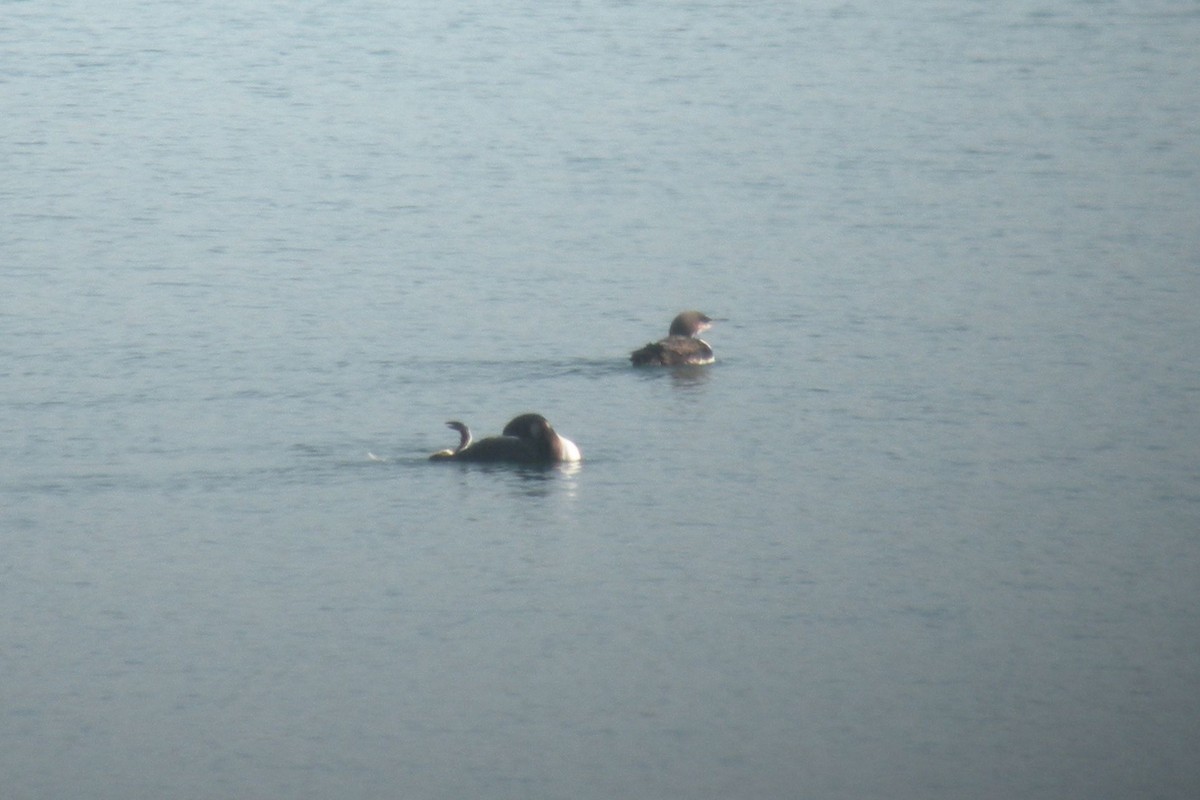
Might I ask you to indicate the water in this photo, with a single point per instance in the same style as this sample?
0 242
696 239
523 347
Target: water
928 529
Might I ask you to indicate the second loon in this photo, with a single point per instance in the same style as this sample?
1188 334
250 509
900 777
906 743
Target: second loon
682 345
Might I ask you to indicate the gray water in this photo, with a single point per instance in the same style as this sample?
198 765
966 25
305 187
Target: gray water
929 528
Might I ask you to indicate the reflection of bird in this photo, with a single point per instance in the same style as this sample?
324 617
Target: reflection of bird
464 439
527 439
681 345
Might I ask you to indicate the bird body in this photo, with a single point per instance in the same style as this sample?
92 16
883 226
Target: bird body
526 439
682 345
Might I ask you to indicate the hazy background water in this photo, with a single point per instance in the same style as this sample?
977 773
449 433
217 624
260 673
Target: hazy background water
928 529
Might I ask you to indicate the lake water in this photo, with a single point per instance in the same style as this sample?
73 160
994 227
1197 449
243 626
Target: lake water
929 528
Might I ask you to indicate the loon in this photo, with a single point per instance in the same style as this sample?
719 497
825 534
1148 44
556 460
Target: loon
526 439
682 346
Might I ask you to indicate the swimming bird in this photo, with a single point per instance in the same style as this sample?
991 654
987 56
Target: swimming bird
526 439
464 440
682 345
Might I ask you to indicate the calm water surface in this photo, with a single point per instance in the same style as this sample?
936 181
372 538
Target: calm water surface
928 529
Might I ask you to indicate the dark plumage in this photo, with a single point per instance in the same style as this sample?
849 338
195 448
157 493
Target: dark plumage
527 439
681 346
